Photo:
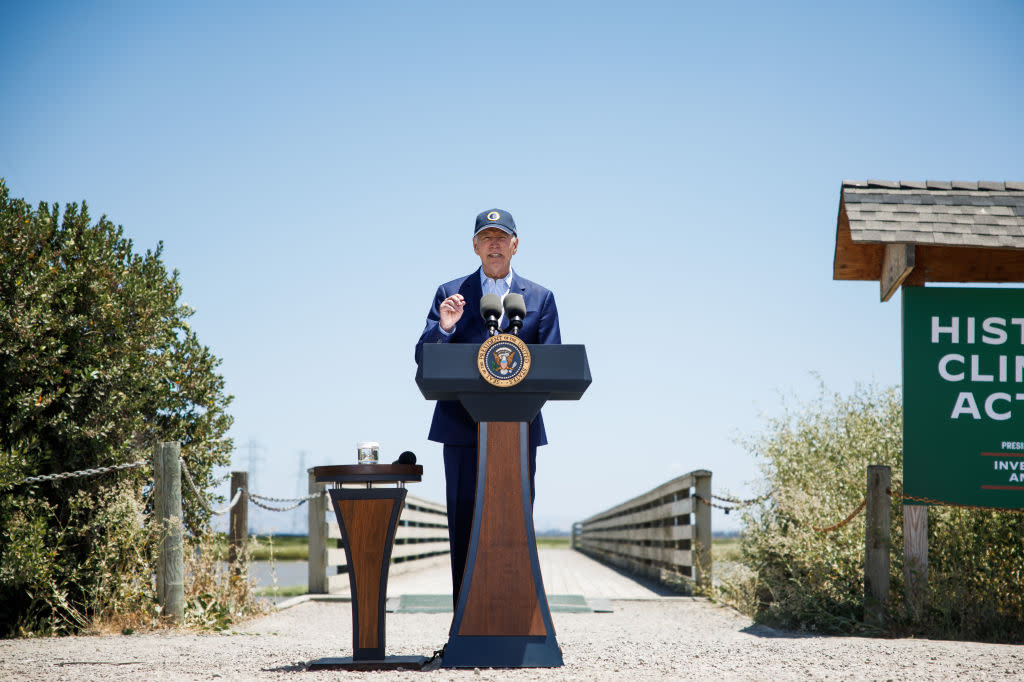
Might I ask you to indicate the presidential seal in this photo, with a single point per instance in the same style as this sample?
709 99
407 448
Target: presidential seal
503 360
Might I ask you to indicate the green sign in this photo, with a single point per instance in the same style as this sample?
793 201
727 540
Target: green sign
963 395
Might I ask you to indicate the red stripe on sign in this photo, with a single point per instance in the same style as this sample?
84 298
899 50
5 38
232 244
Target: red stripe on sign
999 454
1002 487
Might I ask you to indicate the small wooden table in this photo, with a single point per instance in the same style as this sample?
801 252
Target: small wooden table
368 517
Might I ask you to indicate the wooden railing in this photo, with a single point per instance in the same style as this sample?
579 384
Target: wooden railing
664 533
422 533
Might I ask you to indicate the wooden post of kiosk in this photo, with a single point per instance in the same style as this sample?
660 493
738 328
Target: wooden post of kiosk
915 558
904 234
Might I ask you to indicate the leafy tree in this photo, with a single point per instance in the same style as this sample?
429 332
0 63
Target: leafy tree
97 364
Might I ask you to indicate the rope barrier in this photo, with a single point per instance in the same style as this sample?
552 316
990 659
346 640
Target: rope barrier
252 497
851 517
742 503
299 503
199 496
232 503
80 474
258 500
904 496
287 499
736 502
716 506
941 503
746 503
825 529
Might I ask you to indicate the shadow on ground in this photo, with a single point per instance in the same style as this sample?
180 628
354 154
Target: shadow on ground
659 588
765 632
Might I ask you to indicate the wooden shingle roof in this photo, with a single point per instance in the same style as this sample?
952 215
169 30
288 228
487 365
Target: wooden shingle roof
951 231
984 214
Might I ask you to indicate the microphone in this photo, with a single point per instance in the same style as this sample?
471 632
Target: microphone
515 311
490 309
405 458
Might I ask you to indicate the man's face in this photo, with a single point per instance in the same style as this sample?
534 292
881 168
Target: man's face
495 248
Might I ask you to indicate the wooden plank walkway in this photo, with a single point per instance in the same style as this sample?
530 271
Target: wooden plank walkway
565 571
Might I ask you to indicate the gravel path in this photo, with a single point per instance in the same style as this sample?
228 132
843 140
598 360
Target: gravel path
672 638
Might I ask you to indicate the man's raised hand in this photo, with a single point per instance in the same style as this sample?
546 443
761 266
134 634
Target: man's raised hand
451 311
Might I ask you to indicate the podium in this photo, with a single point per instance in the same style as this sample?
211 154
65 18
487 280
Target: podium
502 619
368 518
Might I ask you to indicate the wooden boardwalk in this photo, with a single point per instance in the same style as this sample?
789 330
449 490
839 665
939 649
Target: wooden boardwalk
565 571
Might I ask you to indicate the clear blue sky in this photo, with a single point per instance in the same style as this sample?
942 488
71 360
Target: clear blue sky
674 169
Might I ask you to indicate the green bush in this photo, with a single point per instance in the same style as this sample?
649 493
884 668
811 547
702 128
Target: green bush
976 562
217 595
814 459
97 364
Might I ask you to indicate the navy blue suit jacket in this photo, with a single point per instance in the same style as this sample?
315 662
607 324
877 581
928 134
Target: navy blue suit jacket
452 424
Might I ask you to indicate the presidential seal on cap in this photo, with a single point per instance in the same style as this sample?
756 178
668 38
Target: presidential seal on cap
503 360
495 217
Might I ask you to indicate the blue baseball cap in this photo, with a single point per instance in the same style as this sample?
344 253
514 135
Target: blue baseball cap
498 218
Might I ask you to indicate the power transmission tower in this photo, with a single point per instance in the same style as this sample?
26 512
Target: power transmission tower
299 519
255 460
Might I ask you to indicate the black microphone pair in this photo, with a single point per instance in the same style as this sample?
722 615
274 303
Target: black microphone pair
515 311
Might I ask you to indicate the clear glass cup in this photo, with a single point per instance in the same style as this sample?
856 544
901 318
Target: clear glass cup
368 452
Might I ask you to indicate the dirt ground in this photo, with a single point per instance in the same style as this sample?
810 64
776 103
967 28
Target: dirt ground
666 639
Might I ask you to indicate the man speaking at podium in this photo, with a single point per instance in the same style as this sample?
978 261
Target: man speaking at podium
455 317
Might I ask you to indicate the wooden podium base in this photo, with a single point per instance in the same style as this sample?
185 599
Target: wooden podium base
502 619
368 519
